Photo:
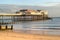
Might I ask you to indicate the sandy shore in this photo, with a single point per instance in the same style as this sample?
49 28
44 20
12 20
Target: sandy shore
11 35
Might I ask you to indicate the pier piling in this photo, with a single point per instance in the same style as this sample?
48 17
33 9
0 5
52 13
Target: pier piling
11 27
5 27
0 27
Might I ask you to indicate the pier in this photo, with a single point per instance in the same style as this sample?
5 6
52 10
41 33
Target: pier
18 17
6 19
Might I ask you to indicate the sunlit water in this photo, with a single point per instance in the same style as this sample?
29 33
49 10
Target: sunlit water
40 27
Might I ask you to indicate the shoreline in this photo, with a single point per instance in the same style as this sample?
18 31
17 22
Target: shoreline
12 35
39 32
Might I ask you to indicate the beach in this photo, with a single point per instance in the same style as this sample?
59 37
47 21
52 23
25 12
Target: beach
33 30
11 35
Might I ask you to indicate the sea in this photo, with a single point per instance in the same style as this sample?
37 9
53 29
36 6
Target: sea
44 27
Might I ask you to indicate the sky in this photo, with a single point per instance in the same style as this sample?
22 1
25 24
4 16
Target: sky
32 2
44 3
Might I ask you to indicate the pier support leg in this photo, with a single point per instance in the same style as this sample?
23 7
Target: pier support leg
11 27
0 27
6 26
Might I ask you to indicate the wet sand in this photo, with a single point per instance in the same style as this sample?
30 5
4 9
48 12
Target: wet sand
11 35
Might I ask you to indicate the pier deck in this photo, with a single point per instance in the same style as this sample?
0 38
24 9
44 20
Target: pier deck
12 18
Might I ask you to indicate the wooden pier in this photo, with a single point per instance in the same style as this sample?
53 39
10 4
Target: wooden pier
17 17
12 18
